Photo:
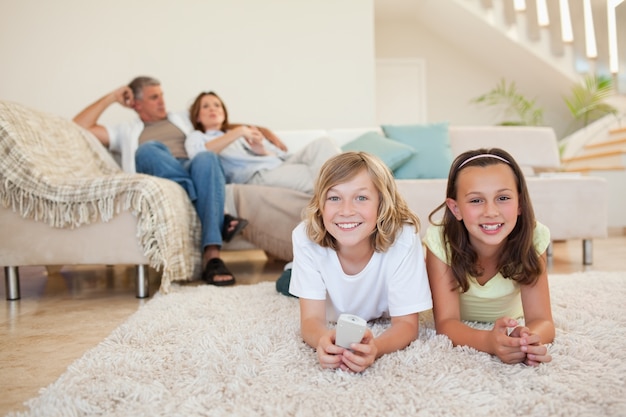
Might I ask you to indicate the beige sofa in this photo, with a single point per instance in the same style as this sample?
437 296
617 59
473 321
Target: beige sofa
125 226
574 207
64 201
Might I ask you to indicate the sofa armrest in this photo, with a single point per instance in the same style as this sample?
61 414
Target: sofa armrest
573 208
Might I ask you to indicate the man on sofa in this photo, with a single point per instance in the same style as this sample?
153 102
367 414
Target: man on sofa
154 144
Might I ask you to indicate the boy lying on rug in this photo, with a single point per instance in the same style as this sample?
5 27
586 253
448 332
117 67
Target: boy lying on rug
359 243
486 261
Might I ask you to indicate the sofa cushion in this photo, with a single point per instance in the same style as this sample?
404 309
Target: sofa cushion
392 153
431 142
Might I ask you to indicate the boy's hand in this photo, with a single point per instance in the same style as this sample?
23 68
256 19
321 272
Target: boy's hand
328 354
362 356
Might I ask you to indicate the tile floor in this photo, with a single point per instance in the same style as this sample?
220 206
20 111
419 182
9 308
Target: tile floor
66 311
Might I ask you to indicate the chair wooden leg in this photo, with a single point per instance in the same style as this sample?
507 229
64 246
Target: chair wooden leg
142 282
12 282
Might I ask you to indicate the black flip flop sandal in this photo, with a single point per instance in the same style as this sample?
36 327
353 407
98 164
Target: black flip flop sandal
215 267
228 235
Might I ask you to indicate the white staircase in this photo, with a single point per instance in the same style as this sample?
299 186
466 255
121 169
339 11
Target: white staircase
598 149
569 57
511 41
602 151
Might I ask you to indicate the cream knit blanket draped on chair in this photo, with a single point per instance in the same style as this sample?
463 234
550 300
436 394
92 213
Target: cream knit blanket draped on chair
55 172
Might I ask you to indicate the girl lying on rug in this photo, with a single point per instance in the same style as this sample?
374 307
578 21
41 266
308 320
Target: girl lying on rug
358 251
486 261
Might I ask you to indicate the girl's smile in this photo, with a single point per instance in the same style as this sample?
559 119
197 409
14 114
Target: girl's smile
491 227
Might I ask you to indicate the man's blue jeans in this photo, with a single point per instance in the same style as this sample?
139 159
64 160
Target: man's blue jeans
202 178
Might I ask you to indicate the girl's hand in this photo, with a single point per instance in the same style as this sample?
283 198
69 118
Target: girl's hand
328 354
530 343
506 347
362 356
536 354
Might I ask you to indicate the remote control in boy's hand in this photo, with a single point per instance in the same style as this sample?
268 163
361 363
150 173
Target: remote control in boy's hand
350 329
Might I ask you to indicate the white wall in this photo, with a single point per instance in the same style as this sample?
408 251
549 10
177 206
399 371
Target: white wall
279 63
454 76
401 96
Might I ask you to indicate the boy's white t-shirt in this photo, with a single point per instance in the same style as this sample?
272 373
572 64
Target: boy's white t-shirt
393 283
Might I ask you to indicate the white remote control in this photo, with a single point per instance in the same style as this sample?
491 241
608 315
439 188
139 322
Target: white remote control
350 329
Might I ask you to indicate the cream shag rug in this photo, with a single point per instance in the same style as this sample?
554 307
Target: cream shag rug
207 351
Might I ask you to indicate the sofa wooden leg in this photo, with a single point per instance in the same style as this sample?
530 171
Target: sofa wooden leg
550 250
587 252
12 282
142 281
54 269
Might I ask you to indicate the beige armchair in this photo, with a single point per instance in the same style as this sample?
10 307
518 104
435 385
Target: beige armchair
64 201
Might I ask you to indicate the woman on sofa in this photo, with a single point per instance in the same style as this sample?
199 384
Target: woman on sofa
253 155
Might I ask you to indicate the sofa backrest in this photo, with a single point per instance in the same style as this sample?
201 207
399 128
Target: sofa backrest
534 148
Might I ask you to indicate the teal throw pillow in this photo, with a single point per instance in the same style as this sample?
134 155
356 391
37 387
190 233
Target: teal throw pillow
391 152
433 156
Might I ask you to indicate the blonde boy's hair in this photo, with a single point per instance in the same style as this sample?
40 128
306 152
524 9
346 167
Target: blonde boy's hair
393 211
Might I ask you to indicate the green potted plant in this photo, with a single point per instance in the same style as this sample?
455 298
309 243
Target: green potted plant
587 101
517 110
